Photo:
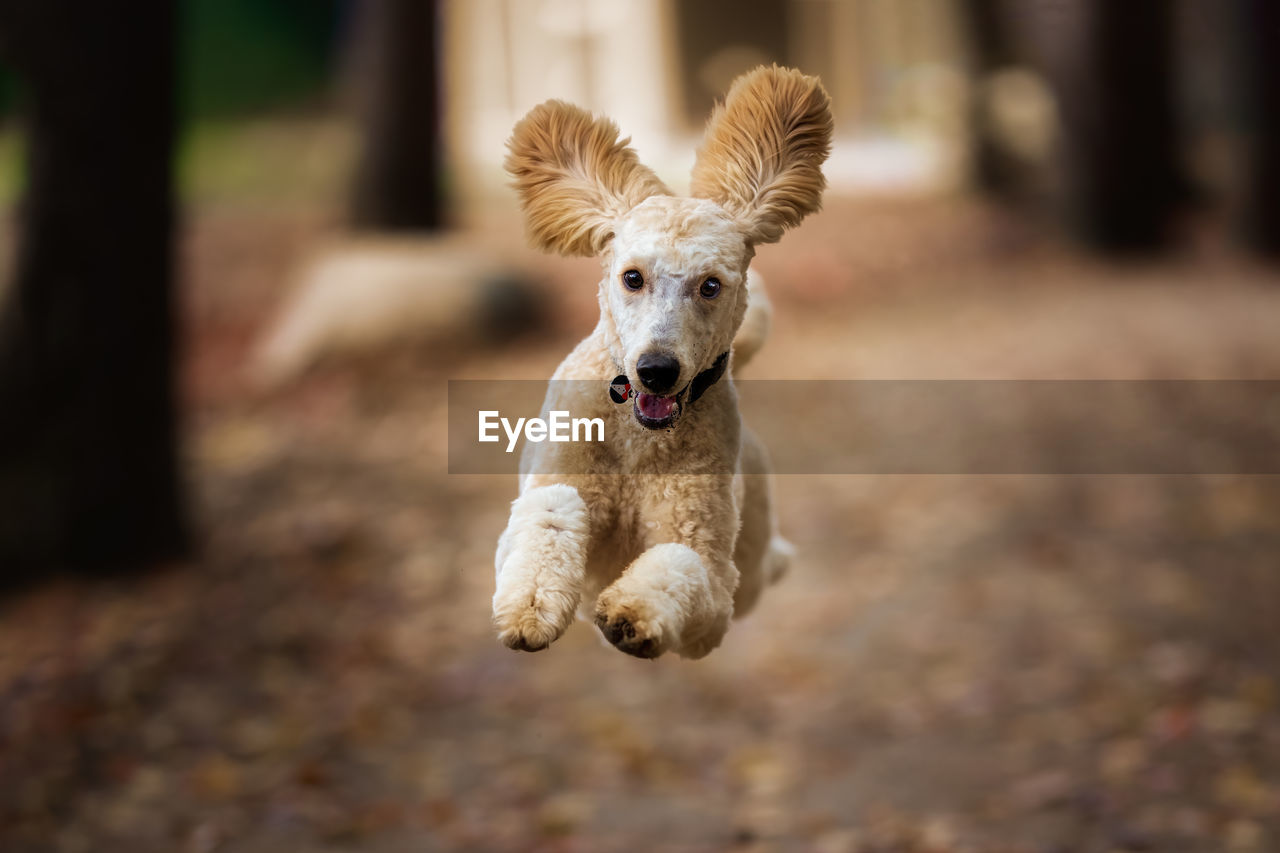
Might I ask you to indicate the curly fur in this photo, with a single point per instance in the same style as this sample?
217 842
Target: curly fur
575 177
761 158
661 561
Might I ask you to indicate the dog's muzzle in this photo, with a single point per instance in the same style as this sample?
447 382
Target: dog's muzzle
653 411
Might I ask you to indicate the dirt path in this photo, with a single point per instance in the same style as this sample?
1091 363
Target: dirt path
955 663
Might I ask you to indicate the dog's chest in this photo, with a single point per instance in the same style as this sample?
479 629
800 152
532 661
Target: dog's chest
619 539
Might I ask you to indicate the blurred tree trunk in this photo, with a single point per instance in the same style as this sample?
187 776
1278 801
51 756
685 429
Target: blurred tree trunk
756 29
398 177
992 48
88 449
1119 130
1258 69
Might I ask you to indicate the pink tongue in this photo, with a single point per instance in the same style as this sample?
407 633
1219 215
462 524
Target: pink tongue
653 406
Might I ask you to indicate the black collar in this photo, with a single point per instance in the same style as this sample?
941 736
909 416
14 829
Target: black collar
708 377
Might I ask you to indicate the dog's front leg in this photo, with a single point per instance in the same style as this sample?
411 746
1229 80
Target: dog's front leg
540 563
678 594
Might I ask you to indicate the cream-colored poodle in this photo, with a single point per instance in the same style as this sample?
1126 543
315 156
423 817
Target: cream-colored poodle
664 530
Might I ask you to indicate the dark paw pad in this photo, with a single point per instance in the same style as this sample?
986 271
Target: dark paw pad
622 634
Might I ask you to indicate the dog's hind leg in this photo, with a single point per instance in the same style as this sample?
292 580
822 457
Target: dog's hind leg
761 555
540 565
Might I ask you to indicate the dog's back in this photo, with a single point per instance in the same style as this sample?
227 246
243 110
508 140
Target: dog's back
755 324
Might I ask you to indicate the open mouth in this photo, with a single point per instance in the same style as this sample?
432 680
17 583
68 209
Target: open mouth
654 412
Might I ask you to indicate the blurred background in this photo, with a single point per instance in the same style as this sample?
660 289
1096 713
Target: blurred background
245 243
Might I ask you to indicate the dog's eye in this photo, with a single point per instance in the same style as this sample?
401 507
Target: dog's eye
633 280
710 288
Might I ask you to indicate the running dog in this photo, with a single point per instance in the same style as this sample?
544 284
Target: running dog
665 531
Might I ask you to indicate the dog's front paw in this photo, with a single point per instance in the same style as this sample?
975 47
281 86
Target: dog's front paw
529 631
531 620
665 601
532 608
539 565
631 627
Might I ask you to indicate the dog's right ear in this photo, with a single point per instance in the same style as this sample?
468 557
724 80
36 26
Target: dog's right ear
575 177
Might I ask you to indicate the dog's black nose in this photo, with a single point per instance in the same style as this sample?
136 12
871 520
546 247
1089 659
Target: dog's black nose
658 371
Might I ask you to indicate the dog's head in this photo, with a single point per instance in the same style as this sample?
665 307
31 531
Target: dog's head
674 289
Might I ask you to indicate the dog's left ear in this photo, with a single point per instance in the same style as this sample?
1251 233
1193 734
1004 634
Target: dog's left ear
761 158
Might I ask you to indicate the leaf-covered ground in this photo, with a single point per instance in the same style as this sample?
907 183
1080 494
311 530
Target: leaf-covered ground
1011 663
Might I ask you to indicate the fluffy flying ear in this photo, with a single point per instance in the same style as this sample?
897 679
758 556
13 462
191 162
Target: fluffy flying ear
575 177
761 158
